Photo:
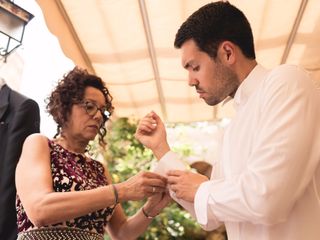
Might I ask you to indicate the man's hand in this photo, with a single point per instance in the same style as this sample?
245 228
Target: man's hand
151 133
185 183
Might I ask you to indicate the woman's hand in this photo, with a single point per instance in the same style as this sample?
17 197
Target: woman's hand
156 203
142 185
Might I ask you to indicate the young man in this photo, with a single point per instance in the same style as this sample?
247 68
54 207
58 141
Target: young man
269 180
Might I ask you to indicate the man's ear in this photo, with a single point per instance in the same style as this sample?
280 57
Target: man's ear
227 52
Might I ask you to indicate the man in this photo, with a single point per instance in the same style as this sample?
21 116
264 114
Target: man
268 182
19 117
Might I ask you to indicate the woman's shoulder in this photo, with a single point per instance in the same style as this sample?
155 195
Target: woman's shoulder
35 148
36 139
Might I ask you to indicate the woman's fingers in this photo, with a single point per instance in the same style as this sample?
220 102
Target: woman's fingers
151 183
154 177
156 190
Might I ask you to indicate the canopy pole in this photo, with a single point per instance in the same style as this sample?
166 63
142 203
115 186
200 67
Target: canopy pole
294 30
152 53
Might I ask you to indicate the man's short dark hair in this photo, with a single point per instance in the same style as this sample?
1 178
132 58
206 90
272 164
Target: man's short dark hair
214 23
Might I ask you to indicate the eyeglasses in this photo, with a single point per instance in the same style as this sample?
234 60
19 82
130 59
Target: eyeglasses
92 109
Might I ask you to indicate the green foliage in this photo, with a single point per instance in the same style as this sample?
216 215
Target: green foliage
125 157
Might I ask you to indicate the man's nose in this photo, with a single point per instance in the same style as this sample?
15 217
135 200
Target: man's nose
192 80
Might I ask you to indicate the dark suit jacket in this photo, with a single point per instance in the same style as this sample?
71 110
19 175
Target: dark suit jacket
19 117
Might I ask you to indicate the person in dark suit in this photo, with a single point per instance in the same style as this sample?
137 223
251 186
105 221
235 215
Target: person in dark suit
19 117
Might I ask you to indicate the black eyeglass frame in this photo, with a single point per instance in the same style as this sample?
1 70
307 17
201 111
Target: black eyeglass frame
104 112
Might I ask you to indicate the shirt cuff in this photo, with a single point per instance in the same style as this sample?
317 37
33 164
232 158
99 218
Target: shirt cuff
169 161
203 212
201 204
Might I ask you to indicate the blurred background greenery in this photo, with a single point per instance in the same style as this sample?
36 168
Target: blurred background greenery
125 157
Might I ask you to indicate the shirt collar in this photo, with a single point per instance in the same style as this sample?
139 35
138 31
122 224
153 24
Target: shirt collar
249 85
2 82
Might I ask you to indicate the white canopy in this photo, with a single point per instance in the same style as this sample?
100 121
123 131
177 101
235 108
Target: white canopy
129 43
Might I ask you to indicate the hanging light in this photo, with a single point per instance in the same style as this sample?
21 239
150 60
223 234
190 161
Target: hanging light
13 20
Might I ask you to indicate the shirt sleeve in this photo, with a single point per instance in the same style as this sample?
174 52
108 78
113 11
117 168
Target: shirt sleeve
169 161
282 162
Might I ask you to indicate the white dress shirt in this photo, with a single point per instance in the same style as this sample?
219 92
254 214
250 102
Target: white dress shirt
2 82
269 186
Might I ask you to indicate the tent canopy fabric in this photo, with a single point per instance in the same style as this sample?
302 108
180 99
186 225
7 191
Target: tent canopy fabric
129 44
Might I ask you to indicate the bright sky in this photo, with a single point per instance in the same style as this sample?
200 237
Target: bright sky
44 62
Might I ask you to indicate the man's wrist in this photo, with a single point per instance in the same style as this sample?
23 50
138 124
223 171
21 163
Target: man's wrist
161 150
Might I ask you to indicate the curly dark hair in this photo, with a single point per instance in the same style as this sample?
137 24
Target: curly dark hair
69 91
214 23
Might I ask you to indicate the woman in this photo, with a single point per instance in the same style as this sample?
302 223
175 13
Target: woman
62 193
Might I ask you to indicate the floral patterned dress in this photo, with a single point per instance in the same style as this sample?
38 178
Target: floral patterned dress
72 172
